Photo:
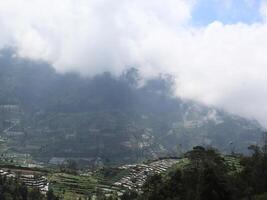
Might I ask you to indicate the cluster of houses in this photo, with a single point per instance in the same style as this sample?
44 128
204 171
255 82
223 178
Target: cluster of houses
138 173
36 181
29 180
7 174
10 108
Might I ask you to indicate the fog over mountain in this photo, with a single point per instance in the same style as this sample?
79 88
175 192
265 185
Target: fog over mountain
221 63
133 99
118 119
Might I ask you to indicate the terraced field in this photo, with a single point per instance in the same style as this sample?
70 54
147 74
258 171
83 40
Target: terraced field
233 164
72 187
107 180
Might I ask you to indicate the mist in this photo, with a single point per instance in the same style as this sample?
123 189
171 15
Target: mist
217 64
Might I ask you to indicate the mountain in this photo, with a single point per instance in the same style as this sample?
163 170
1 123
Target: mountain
112 119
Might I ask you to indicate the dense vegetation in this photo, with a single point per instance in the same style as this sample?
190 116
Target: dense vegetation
209 177
13 189
206 175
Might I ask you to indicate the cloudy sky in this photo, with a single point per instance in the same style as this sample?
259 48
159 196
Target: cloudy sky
217 49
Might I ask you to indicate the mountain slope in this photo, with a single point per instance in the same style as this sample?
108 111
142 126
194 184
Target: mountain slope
114 119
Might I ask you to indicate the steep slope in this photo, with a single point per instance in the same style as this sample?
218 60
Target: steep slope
114 119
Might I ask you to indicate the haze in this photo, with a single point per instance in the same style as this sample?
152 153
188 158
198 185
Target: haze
216 49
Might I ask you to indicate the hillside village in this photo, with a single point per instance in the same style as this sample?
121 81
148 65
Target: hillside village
139 173
30 180
130 177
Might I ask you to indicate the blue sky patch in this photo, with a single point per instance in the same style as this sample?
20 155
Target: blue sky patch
226 11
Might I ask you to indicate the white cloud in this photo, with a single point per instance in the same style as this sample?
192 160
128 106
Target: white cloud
224 65
98 33
263 9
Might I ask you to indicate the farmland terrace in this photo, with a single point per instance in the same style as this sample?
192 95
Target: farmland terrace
138 173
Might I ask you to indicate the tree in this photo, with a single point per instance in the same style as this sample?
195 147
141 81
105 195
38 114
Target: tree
131 76
51 196
35 194
204 178
69 166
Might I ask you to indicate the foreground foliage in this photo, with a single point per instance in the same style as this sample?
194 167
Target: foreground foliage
209 177
12 189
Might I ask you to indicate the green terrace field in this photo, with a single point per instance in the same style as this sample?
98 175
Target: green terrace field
180 164
233 163
86 183
70 187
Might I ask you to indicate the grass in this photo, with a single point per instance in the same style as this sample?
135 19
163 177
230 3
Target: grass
180 164
70 186
233 164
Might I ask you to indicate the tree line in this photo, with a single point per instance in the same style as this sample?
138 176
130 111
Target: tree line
208 177
13 189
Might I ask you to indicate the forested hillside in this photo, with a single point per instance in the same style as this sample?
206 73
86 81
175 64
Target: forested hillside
114 118
12 188
209 176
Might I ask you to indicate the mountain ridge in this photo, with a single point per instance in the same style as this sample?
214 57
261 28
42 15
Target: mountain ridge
108 117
